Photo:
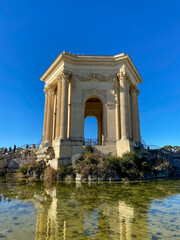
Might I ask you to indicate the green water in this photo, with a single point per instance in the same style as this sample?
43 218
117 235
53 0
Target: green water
149 210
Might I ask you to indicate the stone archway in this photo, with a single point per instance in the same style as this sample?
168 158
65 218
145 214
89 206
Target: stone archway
94 108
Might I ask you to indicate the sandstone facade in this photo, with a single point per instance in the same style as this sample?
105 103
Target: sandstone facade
78 86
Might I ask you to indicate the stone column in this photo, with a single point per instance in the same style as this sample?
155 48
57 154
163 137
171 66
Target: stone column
104 124
135 115
123 105
138 122
129 112
45 114
117 110
50 114
58 113
64 105
99 130
69 111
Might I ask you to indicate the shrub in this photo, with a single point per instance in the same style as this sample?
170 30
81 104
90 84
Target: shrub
91 164
113 164
64 170
35 168
88 149
131 165
23 169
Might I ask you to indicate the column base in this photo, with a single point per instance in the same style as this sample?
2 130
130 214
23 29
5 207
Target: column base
123 146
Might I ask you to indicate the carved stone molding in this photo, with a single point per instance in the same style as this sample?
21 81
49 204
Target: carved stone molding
51 88
86 93
64 74
134 90
122 75
45 90
99 77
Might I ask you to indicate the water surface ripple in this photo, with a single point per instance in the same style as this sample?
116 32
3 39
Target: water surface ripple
39 211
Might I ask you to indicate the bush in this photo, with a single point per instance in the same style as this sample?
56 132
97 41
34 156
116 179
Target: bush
88 149
64 170
91 164
131 165
35 168
24 169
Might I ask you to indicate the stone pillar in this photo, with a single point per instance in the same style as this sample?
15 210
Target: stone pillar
64 105
129 112
69 111
99 130
45 114
104 124
54 116
58 113
135 115
117 110
123 105
50 114
138 122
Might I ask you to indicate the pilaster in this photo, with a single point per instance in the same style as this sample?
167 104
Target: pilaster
135 115
64 105
49 125
58 113
45 114
123 105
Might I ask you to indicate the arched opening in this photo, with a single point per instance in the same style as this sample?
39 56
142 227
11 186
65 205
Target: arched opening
94 108
90 128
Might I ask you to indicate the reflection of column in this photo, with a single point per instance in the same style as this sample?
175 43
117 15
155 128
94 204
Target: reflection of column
58 113
50 113
117 111
64 105
45 114
126 215
135 115
129 113
46 220
123 105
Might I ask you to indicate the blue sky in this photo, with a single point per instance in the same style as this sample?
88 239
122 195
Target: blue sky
33 33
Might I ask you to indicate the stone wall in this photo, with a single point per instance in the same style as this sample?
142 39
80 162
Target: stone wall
12 161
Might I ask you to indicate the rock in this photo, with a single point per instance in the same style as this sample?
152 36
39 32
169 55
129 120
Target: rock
75 158
78 177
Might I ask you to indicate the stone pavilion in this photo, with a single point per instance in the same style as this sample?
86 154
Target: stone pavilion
78 86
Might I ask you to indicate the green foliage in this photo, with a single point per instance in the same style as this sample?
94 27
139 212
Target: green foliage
128 166
91 164
64 170
131 165
88 149
172 148
36 167
24 169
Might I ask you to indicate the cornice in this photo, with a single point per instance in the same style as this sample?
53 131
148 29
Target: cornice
94 59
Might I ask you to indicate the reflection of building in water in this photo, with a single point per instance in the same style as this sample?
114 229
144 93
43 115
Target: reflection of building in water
72 217
46 224
126 215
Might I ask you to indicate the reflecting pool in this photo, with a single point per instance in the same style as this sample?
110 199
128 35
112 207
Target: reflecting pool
39 211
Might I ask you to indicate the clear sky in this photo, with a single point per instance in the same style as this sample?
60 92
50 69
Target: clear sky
34 32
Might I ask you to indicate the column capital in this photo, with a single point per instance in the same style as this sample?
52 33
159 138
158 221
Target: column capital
65 75
45 90
135 91
122 75
51 88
